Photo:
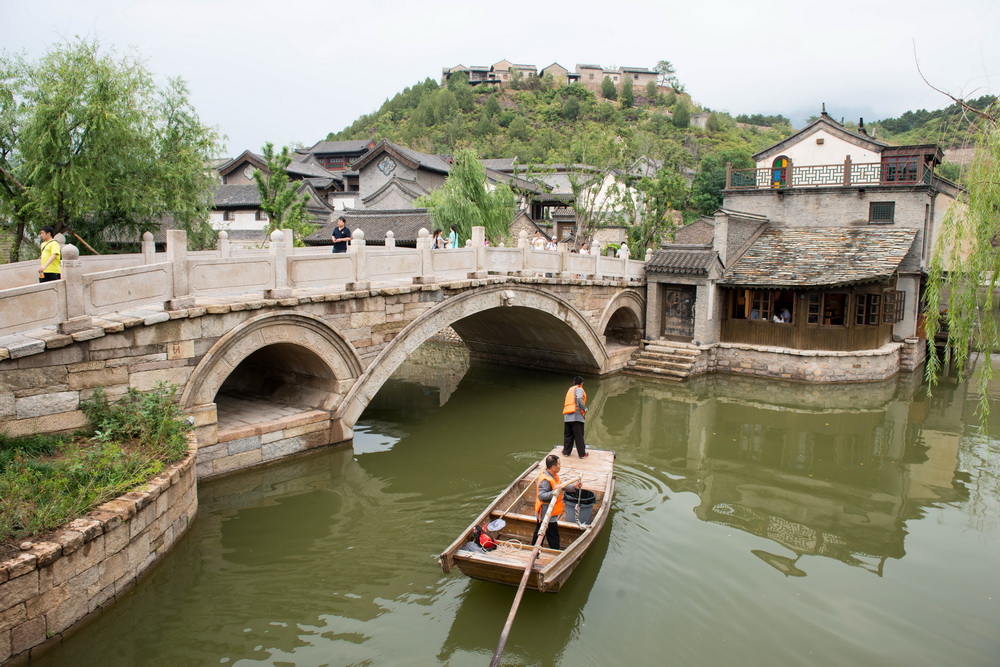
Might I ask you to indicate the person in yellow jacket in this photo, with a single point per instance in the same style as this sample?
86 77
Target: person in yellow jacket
51 259
548 485
574 413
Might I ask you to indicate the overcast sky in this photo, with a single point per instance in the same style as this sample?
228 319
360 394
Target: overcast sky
293 71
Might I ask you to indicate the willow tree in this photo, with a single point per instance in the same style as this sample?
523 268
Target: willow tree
466 200
965 268
92 146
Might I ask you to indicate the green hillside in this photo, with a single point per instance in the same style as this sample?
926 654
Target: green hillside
951 127
543 122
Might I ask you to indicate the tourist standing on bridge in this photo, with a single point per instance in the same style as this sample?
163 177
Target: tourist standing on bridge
453 237
51 259
341 235
574 413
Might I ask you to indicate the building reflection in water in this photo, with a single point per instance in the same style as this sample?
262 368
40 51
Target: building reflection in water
832 471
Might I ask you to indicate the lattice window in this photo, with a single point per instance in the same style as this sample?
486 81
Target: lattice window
893 306
760 305
260 215
229 215
882 212
900 169
814 308
868 310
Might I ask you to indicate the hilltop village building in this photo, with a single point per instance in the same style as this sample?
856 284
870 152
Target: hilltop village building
504 72
814 269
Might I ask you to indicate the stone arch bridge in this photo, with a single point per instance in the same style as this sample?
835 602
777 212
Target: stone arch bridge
270 373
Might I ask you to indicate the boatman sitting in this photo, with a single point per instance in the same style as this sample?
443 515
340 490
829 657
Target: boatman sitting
547 485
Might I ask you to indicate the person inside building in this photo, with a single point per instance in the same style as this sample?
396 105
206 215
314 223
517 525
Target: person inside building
547 486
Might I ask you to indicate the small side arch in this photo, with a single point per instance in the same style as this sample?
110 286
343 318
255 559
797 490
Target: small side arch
622 320
302 346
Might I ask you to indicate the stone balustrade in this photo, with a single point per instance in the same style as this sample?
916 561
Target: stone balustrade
93 286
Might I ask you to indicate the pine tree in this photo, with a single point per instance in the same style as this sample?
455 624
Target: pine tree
608 91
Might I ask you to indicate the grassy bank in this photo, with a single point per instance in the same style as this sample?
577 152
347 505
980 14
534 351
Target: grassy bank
46 481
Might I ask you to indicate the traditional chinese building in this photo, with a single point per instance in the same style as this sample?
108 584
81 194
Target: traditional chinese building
814 268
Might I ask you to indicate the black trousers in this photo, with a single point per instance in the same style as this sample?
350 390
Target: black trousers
551 532
573 432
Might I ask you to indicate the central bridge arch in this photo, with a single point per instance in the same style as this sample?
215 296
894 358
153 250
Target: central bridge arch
506 324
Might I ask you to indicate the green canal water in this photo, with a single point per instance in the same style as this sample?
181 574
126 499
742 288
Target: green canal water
755 523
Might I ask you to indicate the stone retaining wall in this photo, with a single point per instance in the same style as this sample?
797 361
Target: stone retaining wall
806 365
54 584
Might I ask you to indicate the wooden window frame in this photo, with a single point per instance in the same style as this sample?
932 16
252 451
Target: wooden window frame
868 309
228 216
893 306
816 305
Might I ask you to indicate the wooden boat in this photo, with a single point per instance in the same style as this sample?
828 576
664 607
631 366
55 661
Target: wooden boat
516 505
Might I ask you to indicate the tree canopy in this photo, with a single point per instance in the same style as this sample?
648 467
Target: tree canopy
91 145
466 202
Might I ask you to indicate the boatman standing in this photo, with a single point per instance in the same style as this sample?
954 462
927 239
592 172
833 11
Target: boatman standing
548 485
574 413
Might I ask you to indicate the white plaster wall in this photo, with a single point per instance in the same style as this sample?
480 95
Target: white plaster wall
244 220
833 150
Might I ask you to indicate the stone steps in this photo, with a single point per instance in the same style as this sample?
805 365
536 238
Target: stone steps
665 360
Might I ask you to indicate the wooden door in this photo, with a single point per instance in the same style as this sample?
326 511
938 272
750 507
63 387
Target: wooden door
678 311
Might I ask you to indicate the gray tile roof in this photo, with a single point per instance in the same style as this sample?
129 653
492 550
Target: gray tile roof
307 170
403 223
823 256
695 260
230 196
350 146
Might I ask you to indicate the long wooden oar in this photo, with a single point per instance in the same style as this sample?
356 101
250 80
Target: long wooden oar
524 579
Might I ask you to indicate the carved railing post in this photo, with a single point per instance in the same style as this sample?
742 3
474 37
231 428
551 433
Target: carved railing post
649 254
390 240
729 175
76 308
148 249
177 256
225 249
847 171
426 268
279 251
479 244
358 248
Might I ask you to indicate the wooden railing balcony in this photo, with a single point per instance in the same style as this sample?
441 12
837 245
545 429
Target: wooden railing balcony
846 174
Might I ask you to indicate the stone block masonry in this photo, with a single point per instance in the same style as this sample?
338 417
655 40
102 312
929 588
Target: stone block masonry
61 578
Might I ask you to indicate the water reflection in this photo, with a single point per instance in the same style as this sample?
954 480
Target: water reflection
739 502
802 466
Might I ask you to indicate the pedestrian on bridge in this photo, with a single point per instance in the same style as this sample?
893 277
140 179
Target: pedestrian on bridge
341 235
51 259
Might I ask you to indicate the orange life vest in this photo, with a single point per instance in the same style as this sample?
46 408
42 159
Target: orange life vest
569 407
554 481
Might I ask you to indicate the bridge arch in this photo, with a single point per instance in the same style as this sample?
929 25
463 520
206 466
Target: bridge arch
623 317
294 357
502 323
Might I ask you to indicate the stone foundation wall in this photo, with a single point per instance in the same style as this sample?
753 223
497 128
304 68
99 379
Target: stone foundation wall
56 582
805 365
250 446
913 353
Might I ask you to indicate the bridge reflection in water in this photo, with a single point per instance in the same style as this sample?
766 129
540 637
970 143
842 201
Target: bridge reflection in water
329 558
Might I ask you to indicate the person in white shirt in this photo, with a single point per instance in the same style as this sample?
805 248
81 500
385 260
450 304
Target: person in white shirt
584 250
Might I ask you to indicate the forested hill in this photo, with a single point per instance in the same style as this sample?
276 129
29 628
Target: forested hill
951 127
540 122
